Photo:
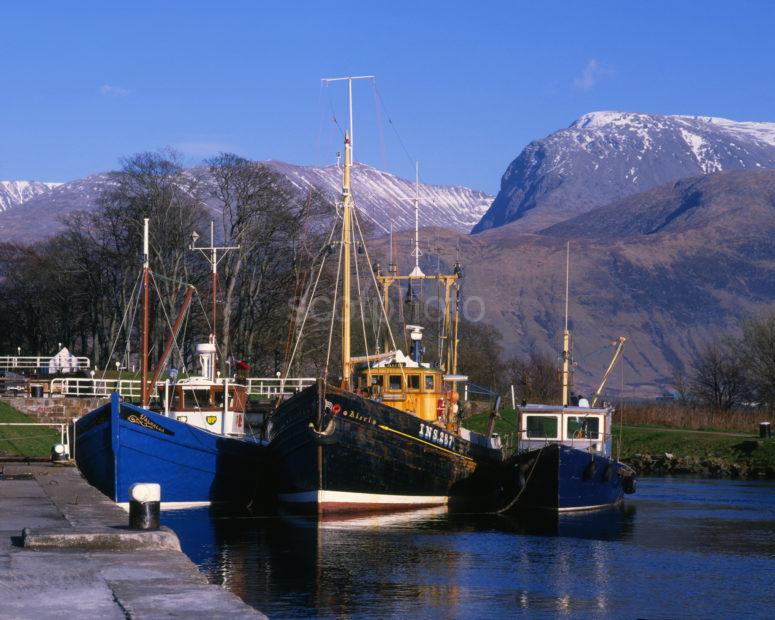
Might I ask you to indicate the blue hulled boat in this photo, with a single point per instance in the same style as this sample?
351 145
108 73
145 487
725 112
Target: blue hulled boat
192 443
564 460
120 444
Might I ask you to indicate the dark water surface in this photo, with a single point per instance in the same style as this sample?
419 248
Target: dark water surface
680 548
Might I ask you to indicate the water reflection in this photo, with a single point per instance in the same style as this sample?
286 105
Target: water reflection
678 543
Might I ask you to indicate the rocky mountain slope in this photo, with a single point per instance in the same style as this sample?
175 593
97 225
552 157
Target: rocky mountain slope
605 156
384 197
13 193
669 268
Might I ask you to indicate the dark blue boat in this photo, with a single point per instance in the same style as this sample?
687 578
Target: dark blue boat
564 461
120 444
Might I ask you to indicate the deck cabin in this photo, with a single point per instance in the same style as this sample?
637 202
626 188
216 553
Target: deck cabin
583 428
406 384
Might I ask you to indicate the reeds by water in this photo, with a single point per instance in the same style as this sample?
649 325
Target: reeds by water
676 415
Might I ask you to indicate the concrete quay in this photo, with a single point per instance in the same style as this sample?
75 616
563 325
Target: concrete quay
65 550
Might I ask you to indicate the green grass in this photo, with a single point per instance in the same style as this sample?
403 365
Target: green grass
32 441
739 447
734 448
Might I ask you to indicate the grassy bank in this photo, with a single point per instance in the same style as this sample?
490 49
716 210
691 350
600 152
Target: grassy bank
735 452
675 415
32 441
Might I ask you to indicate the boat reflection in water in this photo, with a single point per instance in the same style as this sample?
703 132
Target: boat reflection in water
381 564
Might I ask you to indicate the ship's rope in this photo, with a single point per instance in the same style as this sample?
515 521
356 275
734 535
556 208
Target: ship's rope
513 502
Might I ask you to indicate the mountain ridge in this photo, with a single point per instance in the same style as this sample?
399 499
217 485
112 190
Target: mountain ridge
604 156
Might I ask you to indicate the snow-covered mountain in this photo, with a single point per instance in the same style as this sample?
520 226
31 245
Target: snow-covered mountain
388 199
14 193
605 156
384 198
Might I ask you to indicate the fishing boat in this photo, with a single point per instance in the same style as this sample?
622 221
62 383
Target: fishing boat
564 460
192 441
388 436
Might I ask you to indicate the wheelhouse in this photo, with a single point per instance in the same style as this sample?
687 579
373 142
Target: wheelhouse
584 428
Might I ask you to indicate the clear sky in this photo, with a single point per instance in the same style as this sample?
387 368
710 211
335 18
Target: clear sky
466 84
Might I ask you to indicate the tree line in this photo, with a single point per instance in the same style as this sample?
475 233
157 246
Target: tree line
81 287
733 371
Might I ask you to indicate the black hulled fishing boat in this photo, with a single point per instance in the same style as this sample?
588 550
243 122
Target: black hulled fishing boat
564 460
387 437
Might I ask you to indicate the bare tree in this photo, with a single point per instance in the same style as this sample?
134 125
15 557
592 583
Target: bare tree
717 377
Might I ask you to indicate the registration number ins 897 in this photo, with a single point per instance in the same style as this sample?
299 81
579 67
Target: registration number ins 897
435 435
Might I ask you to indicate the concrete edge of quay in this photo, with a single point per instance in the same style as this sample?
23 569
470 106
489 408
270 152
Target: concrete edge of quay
66 549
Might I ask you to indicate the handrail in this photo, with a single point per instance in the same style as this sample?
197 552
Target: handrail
79 387
34 362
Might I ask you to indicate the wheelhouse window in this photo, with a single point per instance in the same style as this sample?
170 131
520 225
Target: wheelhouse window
197 398
394 383
413 382
377 380
541 427
583 427
430 383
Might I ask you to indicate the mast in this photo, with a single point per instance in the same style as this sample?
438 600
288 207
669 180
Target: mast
417 272
346 240
566 334
347 229
145 396
213 259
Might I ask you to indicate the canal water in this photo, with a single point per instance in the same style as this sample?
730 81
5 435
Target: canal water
680 548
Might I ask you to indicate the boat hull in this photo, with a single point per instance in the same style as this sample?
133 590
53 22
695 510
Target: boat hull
563 479
364 456
120 444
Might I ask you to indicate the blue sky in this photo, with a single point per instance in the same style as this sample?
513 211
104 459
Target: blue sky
466 84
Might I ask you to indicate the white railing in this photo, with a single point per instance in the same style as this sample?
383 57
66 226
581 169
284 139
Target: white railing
100 388
41 362
272 387
263 387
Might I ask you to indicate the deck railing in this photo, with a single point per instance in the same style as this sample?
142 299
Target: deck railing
261 387
272 387
41 362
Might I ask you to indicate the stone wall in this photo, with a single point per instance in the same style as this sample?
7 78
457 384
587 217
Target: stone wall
54 410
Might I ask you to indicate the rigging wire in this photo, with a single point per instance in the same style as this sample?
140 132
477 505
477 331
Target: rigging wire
390 121
120 327
333 310
376 286
166 317
310 298
360 298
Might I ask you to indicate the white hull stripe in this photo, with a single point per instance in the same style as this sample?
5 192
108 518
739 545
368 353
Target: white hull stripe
347 497
172 505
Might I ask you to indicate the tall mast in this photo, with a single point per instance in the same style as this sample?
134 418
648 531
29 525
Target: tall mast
213 259
145 396
417 272
347 229
566 334
346 240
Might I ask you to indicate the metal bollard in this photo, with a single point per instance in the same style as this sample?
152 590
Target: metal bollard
765 431
59 453
144 506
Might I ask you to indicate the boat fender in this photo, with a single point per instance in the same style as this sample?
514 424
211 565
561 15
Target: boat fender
589 470
326 436
608 472
522 475
630 484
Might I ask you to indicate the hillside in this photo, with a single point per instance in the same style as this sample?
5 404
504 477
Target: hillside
669 269
605 156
